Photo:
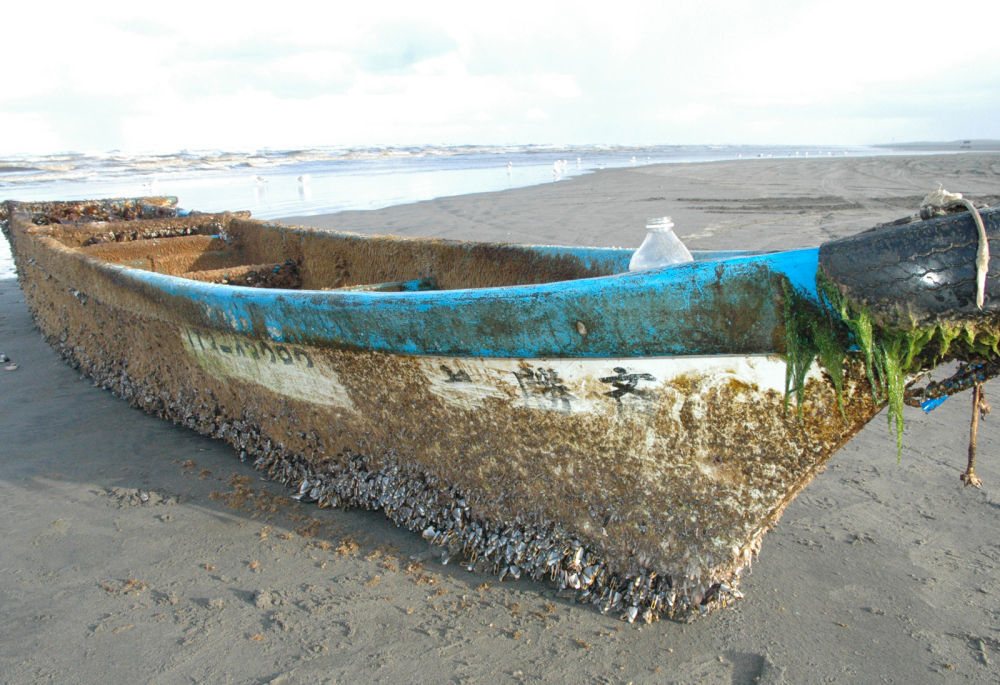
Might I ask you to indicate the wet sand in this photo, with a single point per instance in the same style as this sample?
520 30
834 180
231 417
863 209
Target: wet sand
134 548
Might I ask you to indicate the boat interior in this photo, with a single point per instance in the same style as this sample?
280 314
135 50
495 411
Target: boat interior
231 248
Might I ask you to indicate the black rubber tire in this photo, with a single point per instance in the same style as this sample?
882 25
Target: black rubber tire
917 274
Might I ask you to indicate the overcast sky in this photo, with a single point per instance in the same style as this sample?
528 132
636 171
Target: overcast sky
149 76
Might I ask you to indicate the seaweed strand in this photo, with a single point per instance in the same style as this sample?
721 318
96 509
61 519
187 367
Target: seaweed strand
811 334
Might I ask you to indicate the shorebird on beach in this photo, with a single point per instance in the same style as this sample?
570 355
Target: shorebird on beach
305 191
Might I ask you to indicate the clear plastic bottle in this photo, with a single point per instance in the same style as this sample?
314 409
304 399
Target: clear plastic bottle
660 248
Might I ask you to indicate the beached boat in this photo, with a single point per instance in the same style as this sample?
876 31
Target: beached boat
538 410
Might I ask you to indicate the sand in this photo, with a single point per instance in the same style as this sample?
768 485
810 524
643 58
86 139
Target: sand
136 549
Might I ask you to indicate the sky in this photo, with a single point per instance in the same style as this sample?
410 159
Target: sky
160 77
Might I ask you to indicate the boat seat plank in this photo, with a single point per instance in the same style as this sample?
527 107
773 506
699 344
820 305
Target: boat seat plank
115 251
230 274
170 255
117 231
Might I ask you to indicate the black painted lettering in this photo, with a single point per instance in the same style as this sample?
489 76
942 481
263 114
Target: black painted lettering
459 376
264 346
545 383
625 383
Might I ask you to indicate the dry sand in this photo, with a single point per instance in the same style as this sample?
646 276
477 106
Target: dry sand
135 549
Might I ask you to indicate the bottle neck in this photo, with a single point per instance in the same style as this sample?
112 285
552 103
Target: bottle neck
659 225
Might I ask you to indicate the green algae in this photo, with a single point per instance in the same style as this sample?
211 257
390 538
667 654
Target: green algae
894 369
812 334
891 354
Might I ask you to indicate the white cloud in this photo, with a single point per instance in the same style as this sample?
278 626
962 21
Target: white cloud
139 75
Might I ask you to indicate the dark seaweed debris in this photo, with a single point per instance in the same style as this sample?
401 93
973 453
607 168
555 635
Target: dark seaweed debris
285 275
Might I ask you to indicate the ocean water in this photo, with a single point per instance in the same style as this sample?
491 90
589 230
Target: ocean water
278 183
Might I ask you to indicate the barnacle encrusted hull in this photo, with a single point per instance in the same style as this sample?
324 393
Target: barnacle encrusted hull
644 483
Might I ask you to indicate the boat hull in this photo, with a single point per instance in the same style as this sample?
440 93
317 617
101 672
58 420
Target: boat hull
645 483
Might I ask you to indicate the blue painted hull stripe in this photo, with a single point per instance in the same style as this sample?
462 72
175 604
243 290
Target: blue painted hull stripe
724 306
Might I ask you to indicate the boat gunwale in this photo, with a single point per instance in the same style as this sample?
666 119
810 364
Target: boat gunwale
487 292
542 320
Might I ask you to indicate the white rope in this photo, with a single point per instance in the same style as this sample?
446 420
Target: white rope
942 199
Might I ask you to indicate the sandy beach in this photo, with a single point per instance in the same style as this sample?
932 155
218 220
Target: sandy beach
137 549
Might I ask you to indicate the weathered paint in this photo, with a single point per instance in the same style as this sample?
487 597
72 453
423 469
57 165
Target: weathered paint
287 370
698 308
598 386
